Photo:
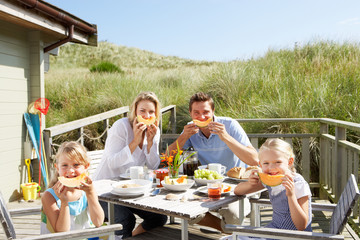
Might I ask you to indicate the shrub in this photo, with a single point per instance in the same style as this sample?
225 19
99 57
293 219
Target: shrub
106 67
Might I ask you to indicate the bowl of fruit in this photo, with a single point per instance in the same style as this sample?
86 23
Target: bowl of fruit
204 176
177 184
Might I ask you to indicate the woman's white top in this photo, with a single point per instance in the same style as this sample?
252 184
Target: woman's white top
117 157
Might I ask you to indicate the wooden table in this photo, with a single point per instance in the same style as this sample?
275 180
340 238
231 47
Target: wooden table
186 210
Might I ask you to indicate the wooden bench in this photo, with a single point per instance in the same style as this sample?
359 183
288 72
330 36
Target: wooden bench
95 157
341 212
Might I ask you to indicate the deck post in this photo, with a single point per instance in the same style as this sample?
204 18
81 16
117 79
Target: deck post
323 166
47 145
340 134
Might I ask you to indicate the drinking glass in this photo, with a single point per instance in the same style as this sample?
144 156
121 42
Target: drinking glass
214 190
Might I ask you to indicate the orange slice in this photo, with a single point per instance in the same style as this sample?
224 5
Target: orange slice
73 182
202 123
147 121
181 179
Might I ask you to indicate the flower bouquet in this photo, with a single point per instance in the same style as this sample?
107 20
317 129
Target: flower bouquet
174 160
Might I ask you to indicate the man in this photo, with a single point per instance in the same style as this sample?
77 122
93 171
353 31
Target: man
222 141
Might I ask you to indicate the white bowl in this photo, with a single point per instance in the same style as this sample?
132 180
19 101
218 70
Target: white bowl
145 186
200 181
179 187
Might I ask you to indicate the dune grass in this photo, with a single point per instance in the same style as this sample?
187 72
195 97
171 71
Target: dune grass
319 79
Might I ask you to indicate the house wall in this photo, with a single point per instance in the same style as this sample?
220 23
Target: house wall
21 82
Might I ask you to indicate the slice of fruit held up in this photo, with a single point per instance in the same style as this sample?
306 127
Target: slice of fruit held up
73 182
202 123
271 180
147 121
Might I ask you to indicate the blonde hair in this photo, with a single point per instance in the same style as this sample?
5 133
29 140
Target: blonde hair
150 96
74 151
281 146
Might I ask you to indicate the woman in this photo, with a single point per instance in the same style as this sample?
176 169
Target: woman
132 143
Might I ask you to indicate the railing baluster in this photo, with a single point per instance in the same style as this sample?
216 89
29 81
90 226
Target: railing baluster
305 158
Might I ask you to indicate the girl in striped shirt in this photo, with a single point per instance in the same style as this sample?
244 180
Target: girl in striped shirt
291 201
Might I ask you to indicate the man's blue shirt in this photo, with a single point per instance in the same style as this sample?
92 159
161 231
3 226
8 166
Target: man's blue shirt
213 150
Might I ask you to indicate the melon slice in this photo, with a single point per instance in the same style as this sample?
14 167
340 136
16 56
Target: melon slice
271 180
202 123
73 182
147 121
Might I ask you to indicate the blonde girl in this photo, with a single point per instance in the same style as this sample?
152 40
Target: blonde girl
291 201
65 208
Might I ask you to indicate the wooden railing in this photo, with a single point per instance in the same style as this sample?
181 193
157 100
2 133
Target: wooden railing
80 124
337 157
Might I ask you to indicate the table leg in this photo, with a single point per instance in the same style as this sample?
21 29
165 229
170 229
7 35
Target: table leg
172 219
184 229
111 218
241 211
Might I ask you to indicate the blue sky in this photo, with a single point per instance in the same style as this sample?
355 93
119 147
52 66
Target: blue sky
219 30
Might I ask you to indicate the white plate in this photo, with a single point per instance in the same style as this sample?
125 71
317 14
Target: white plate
179 187
238 179
125 176
205 181
126 194
204 190
145 185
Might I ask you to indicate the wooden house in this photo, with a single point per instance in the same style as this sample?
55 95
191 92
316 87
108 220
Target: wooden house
30 30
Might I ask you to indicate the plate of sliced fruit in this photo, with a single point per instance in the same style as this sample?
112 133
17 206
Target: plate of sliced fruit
177 184
225 189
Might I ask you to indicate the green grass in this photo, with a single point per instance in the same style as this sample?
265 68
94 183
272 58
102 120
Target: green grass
319 79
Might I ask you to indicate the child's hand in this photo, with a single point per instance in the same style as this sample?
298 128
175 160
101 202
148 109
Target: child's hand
87 185
61 191
288 183
254 177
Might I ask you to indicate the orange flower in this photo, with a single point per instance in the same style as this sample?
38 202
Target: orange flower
175 160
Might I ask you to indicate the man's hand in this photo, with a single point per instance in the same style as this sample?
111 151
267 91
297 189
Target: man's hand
190 129
218 129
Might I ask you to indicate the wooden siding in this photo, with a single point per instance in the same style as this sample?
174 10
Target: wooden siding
14 74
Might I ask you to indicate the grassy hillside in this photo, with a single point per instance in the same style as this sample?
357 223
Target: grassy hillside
320 79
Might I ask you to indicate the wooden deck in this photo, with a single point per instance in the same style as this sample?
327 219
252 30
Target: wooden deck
30 225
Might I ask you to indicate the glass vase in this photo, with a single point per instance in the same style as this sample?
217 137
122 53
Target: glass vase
174 172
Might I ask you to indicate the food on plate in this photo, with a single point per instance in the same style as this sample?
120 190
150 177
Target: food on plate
248 171
225 188
202 123
207 174
128 185
236 172
171 197
73 182
270 180
176 181
147 121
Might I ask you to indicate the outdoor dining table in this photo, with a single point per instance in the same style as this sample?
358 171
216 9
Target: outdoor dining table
183 209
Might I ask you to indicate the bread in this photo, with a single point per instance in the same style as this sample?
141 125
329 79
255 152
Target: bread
235 172
249 170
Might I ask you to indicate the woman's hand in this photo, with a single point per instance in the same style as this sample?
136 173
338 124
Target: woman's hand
139 130
151 132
